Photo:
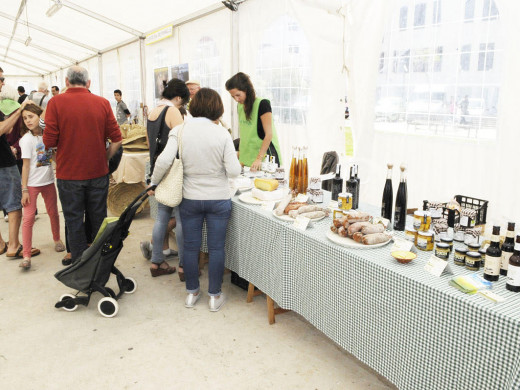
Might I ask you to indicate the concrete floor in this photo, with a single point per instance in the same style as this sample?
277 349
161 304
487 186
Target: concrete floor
154 342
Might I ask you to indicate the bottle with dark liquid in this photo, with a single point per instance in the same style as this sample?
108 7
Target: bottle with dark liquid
337 183
513 269
305 175
401 201
355 205
388 195
351 186
493 257
507 248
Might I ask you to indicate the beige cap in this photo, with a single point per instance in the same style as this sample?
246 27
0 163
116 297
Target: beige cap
193 82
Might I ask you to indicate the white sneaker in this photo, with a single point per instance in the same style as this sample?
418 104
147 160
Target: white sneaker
216 303
6 218
191 300
146 249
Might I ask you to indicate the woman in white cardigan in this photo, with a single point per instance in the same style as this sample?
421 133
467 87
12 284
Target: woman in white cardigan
209 160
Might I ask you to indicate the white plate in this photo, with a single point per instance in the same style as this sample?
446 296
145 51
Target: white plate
350 243
244 189
285 217
247 197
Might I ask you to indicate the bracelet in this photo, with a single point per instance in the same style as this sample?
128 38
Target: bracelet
25 190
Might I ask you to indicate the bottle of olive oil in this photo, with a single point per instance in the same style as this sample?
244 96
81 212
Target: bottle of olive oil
507 248
513 270
401 201
337 183
388 195
493 257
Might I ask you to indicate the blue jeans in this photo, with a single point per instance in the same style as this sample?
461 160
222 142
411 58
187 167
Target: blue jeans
216 213
80 197
164 213
10 189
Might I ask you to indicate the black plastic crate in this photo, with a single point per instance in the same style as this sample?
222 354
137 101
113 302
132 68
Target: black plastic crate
479 205
238 281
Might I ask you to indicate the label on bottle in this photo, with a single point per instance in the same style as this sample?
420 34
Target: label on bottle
513 276
495 238
492 265
505 259
397 214
517 246
510 233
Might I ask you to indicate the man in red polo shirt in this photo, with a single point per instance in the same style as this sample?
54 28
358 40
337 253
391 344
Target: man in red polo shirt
79 123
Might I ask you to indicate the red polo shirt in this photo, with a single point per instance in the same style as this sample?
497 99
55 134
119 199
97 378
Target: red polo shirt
78 123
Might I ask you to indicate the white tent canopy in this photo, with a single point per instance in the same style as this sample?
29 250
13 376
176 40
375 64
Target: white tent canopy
302 55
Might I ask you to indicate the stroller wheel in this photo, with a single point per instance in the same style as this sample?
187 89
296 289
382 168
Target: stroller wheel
108 307
70 305
129 285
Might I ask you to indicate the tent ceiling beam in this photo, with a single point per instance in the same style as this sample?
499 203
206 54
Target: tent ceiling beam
72 60
53 64
20 10
48 32
101 18
18 61
23 67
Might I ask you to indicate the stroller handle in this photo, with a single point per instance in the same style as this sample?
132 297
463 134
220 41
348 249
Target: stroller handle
140 198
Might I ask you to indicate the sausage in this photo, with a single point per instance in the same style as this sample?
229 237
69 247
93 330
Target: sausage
337 222
371 229
376 238
356 227
313 214
342 232
334 229
308 209
357 216
282 205
293 206
293 213
358 237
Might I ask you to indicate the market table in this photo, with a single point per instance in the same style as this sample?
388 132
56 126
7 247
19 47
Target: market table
410 326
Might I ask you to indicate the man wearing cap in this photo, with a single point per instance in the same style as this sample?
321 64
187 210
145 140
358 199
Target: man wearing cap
193 87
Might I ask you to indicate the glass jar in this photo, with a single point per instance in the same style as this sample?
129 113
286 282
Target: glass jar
425 240
422 220
410 234
473 247
448 241
482 253
442 250
345 201
473 261
459 258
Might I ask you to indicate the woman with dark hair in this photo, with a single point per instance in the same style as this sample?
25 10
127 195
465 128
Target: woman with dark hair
209 160
255 121
161 120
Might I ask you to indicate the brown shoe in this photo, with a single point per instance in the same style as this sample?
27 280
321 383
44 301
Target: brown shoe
162 271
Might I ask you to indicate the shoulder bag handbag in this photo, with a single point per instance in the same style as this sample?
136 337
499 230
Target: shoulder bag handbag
169 190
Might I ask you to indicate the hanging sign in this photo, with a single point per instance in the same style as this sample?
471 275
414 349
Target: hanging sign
159 35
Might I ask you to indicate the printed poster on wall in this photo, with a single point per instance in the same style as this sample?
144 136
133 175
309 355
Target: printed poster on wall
160 75
180 72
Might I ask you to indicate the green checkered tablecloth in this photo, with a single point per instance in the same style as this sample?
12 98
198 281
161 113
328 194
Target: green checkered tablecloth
410 326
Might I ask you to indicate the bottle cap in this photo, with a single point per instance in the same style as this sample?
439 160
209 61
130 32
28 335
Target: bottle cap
403 167
390 165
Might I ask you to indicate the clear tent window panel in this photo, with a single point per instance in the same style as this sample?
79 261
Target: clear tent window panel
443 78
283 72
206 64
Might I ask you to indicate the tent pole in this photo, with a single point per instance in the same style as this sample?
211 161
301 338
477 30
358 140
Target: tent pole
142 57
100 74
235 66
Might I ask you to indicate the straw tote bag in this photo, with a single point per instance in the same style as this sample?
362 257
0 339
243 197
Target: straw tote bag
169 190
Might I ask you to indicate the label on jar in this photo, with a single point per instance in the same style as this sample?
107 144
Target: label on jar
492 265
505 259
410 236
513 276
464 221
422 243
416 223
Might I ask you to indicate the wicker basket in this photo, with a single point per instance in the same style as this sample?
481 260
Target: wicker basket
122 194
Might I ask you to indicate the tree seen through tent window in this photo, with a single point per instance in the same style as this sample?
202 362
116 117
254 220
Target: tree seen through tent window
429 71
283 73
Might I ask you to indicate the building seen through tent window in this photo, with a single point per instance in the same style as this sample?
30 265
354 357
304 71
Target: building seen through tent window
283 73
434 54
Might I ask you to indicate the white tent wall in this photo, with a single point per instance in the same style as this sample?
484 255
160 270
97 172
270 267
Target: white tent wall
438 167
321 129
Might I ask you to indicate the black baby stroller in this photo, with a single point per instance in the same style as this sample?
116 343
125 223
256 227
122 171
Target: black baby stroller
92 270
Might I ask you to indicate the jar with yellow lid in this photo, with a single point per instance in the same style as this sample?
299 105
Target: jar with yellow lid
410 234
345 201
422 220
425 240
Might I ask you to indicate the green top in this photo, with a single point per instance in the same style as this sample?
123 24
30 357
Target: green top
250 142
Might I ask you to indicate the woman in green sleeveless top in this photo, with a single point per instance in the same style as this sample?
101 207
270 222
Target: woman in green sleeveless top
255 120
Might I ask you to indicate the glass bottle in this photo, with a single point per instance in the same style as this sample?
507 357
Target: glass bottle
300 188
513 269
351 186
493 257
507 248
337 183
388 195
294 169
305 176
355 204
401 201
